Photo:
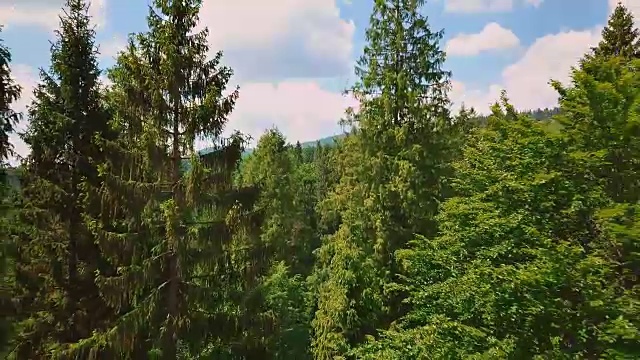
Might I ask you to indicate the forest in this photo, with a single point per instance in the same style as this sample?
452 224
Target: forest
421 233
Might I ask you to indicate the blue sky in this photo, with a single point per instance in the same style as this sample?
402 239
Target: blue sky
292 58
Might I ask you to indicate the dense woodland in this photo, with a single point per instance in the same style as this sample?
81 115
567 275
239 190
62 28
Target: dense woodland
423 233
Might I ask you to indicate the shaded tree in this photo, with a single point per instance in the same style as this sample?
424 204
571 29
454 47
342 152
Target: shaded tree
58 298
9 94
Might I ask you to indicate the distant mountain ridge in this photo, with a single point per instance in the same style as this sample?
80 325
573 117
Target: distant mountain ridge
325 141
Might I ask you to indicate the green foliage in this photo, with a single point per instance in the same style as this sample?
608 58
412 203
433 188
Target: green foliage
600 114
418 234
167 232
620 37
285 242
522 268
391 181
9 93
58 300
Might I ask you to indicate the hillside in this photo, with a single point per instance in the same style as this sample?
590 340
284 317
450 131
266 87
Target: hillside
329 140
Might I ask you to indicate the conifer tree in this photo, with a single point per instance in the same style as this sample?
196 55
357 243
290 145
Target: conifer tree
9 93
271 167
57 257
391 186
298 153
620 37
168 228
603 118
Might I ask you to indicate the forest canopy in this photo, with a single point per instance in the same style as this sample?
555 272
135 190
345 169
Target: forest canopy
420 233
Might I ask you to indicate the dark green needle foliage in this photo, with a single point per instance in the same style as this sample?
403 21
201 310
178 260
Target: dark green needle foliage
9 94
392 180
58 299
167 231
286 240
620 37
419 234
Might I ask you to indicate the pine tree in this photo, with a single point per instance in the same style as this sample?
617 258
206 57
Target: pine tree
9 93
168 228
57 257
391 186
620 37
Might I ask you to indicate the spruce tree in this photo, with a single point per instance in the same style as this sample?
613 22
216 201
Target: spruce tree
169 213
9 93
620 37
391 186
57 257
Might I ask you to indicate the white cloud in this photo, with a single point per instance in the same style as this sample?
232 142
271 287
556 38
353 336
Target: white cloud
549 57
492 37
110 48
302 110
480 100
43 13
280 38
477 6
527 80
484 6
534 3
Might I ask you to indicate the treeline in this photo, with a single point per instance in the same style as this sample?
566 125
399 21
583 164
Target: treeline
422 234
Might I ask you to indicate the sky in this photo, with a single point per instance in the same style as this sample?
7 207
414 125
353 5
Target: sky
293 58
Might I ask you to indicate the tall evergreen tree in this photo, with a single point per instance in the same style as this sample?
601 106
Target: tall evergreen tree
168 212
9 93
391 187
57 258
620 37
603 118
